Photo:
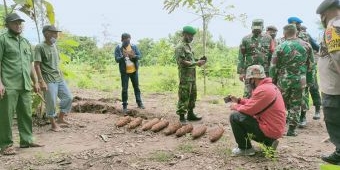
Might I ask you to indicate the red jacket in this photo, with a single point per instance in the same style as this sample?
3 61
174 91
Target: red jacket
272 121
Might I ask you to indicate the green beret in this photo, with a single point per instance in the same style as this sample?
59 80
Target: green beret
291 27
257 24
327 4
190 30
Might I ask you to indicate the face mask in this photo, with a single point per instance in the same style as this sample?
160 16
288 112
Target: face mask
273 35
125 43
252 84
188 39
53 40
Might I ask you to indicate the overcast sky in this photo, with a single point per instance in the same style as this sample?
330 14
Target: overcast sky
147 19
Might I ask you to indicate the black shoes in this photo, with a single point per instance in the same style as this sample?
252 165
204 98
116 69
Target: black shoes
291 131
141 106
333 158
317 113
193 117
303 121
182 119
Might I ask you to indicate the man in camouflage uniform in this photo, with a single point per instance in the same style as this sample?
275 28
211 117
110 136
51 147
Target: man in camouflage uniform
313 88
292 69
255 48
187 91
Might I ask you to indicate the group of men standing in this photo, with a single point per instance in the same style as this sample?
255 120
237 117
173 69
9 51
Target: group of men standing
19 67
291 64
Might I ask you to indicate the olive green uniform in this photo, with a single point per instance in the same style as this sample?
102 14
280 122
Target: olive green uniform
16 60
187 91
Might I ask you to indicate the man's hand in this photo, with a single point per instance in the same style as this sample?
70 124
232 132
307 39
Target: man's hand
43 86
200 62
233 106
242 77
2 90
36 87
234 99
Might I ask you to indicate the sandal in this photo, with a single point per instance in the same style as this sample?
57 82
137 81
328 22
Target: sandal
31 145
9 150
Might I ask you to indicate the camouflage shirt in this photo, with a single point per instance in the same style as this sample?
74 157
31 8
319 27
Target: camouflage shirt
292 64
186 72
254 50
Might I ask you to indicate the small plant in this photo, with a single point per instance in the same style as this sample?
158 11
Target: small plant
162 156
268 152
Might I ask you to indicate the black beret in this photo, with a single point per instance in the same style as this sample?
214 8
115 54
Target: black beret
271 27
327 4
126 35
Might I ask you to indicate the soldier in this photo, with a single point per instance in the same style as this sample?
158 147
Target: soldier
292 69
16 73
255 48
313 89
329 70
46 63
272 31
187 90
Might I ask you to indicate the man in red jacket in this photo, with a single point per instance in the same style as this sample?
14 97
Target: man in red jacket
262 117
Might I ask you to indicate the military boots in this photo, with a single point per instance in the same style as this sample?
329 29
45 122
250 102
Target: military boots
182 119
303 121
192 116
317 113
291 131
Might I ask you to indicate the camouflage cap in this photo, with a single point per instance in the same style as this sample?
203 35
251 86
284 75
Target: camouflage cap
257 24
13 17
294 19
327 4
190 30
50 28
290 27
255 71
271 27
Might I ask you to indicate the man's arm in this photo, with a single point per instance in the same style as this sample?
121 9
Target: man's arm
2 87
36 86
41 81
118 54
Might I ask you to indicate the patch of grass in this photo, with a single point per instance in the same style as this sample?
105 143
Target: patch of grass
186 148
161 156
268 152
214 101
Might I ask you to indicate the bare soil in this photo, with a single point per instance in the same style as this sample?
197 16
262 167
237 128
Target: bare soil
94 142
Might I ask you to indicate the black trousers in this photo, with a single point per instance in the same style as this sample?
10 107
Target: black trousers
125 85
331 111
245 129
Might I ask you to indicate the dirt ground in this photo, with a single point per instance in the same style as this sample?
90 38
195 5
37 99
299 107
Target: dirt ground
94 142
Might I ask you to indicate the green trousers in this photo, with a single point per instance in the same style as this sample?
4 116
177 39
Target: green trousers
187 94
20 102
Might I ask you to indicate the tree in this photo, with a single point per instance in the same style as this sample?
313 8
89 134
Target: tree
35 9
206 10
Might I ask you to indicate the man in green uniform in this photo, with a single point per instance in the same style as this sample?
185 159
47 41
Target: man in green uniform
292 69
16 74
187 91
313 88
50 77
255 49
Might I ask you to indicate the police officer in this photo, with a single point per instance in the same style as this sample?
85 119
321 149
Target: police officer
187 90
255 48
329 70
16 73
292 71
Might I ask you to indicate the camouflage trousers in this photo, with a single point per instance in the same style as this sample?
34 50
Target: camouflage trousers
187 94
293 98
